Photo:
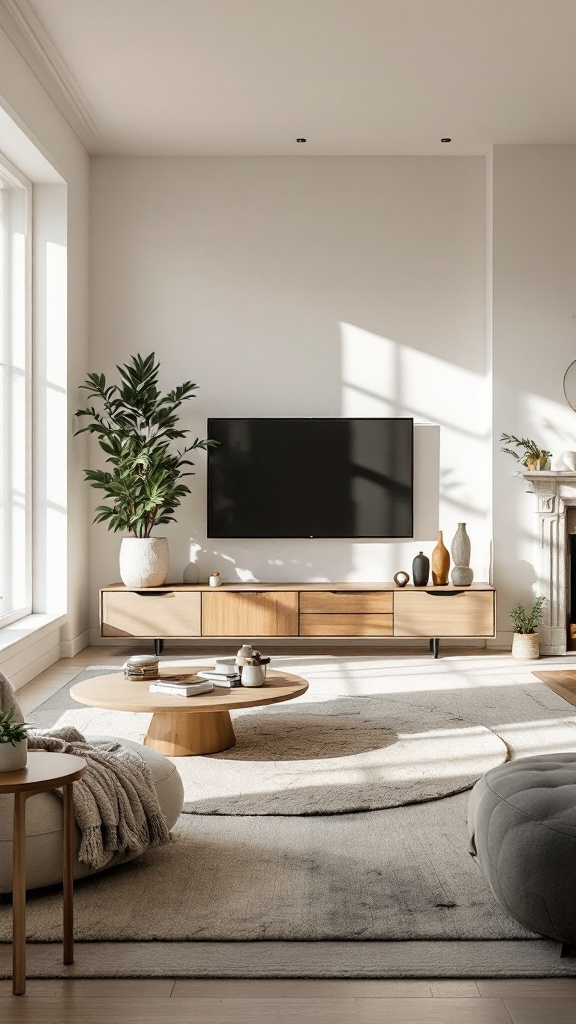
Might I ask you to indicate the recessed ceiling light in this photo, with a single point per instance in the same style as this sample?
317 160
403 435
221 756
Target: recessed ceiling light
300 140
445 140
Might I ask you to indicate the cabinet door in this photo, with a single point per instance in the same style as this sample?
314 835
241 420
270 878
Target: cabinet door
444 613
150 613
250 614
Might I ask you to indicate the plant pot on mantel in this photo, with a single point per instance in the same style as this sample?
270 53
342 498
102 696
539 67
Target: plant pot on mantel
526 646
144 561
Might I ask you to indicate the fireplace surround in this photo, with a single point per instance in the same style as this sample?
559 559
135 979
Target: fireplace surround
556 510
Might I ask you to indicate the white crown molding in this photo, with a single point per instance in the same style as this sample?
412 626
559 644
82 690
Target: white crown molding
33 43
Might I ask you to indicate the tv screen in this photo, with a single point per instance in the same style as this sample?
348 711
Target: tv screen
310 478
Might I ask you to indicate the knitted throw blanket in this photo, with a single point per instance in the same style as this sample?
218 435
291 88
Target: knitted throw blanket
116 806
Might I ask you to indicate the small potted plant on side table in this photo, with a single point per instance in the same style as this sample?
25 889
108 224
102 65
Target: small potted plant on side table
13 742
526 641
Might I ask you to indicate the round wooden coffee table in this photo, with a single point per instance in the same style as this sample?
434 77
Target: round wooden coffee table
181 726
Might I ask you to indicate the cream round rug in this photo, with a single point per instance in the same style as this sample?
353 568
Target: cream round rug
327 754
338 755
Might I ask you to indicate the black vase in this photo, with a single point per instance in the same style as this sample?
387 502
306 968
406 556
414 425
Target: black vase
421 570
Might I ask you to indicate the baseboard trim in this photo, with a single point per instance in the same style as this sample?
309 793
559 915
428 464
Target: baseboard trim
69 648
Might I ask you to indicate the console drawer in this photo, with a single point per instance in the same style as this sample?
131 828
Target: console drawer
337 624
150 613
348 601
444 613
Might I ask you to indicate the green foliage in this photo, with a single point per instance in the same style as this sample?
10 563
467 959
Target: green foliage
11 732
135 429
530 450
527 622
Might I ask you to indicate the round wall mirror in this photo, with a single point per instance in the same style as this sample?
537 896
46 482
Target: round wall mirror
569 385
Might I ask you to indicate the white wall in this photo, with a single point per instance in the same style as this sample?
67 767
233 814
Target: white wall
534 326
298 287
33 112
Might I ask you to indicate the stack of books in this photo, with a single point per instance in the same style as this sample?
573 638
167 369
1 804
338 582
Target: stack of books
181 686
224 673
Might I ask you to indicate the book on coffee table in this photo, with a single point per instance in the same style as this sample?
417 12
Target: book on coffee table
175 689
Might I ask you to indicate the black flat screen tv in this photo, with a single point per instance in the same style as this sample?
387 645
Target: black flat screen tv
348 478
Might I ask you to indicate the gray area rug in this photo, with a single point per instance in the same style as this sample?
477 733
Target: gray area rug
392 876
448 729
329 752
442 959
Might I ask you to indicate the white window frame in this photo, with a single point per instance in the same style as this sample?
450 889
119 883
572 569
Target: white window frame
12 173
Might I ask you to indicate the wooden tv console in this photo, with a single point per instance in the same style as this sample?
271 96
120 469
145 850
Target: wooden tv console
322 610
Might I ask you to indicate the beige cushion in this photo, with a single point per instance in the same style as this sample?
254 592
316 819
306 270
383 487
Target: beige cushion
44 825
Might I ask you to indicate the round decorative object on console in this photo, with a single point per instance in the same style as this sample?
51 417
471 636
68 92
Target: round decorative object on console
462 576
440 563
401 578
144 561
214 579
421 570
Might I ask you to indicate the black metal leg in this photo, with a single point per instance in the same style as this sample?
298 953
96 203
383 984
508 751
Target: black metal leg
158 647
566 949
434 646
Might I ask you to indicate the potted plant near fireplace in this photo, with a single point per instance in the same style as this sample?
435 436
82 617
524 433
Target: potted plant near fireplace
526 641
529 455
135 427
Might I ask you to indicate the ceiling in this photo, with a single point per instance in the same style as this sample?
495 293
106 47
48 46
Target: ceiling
353 77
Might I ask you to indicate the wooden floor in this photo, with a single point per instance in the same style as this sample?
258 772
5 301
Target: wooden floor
563 682
529 1001
292 1002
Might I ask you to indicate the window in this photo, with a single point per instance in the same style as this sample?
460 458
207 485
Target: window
15 396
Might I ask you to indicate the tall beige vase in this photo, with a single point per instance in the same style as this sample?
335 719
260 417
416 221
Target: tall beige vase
440 563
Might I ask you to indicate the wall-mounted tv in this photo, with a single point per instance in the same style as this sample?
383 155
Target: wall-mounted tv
345 477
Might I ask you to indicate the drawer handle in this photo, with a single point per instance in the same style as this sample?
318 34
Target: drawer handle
153 593
446 593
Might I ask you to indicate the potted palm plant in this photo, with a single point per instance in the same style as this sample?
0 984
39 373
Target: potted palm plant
135 426
526 641
529 455
13 742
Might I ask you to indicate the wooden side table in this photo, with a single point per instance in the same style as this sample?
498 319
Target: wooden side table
44 771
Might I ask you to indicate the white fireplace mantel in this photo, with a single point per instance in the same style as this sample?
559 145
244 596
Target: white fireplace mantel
555 492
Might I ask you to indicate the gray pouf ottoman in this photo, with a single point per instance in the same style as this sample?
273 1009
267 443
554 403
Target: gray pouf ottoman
44 814
522 825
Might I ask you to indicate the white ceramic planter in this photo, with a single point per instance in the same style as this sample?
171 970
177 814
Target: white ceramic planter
526 646
144 561
13 758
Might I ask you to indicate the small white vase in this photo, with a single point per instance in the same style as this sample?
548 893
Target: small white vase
144 561
526 646
13 758
253 675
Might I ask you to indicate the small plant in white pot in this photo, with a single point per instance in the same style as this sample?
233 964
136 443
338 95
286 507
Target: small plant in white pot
526 641
13 742
143 486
